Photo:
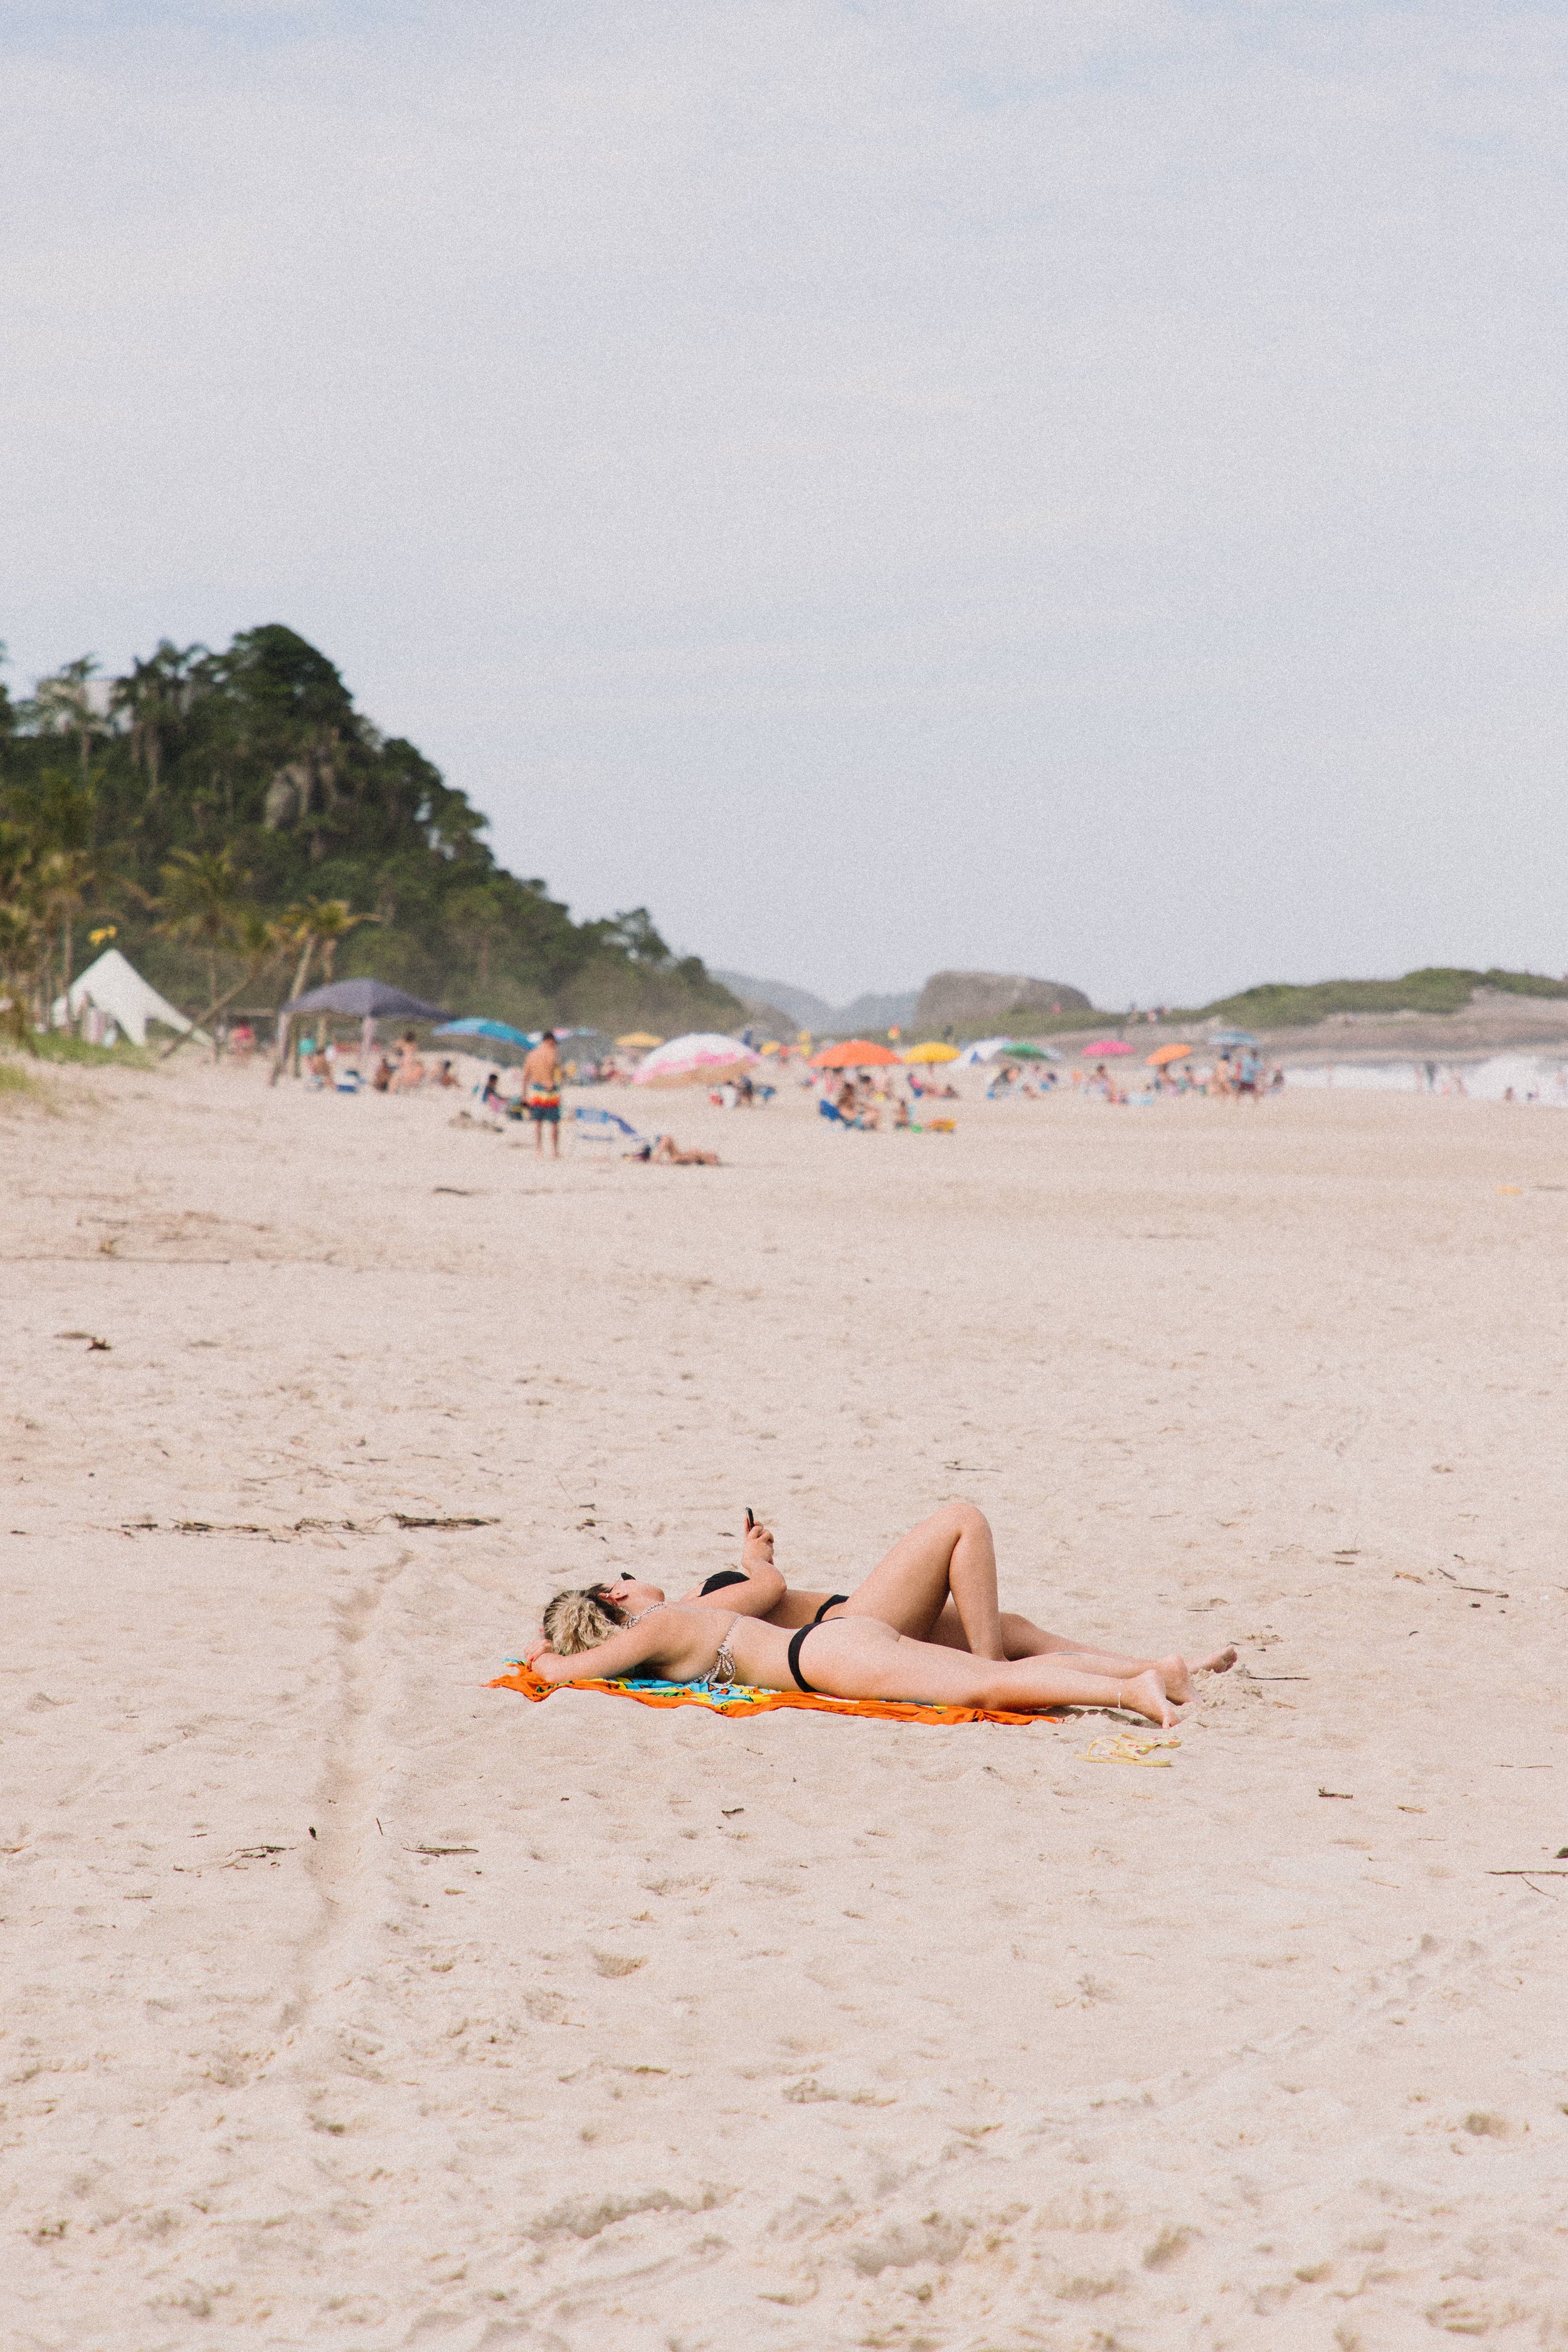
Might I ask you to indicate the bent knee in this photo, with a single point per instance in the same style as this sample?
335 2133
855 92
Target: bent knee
967 1518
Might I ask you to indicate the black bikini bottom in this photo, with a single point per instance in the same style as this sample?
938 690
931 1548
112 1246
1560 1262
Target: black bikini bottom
795 1641
832 1602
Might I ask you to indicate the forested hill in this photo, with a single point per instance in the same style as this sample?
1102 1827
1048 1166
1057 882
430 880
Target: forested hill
207 803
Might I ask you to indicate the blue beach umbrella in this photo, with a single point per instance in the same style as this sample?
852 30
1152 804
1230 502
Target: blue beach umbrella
495 1032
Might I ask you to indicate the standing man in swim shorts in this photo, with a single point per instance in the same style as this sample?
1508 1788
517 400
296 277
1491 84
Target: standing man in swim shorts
541 1092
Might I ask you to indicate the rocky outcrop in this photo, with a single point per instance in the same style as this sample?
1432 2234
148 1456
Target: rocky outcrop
986 1000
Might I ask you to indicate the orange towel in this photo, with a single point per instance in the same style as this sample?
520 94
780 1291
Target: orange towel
760 1702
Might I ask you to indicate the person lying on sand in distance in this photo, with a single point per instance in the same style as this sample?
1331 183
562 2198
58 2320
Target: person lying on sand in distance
669 1154
938 1584
585 1637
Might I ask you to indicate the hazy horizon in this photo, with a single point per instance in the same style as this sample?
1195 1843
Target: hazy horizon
888 489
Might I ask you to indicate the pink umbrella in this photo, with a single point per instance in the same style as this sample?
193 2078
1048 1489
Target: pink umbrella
701 1058
1107 1045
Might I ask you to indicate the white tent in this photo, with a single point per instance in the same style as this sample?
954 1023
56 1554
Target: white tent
984 1049
117 988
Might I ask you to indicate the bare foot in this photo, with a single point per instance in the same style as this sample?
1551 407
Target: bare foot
1176 1673
1145 1695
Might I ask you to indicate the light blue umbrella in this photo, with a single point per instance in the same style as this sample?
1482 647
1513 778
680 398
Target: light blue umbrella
496 1032
1233 1037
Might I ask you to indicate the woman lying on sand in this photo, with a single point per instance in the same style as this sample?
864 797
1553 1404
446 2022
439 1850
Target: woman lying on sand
586 1636
936 1594
937 1585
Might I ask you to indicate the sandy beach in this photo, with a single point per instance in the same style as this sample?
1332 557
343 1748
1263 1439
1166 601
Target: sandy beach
353 2003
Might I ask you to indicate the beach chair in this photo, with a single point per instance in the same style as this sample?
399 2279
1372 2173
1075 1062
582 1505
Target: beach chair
592 1125
833 1115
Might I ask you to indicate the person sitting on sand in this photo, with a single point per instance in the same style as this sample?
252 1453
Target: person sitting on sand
586 1637
937 1585
410 1068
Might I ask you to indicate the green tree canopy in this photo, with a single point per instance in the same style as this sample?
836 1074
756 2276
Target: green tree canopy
201 786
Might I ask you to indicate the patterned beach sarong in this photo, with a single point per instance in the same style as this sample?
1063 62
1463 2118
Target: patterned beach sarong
743 1700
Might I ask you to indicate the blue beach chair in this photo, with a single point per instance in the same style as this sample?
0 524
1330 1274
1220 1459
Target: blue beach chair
593 1125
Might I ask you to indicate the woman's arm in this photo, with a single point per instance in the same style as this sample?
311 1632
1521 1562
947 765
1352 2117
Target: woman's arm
635 1645
754 1596
762 1587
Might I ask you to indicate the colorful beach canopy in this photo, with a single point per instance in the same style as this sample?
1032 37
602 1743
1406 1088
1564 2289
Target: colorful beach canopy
1164 1053
984 1049
1024 1049
1108 1046
638 1041
932 1051
702 1057
854 1053
496 1032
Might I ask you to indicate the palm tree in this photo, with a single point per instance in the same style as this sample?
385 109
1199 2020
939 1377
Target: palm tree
479 917
156 697
314 923
56 818
20 942
258 942
63 705
201 901
63 877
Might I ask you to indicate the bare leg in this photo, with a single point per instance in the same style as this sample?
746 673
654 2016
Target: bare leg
850 1658
1020 1639
949 1554
938 1584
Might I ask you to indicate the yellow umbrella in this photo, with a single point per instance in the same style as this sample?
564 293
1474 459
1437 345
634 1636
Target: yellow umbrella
638 1041
931 1052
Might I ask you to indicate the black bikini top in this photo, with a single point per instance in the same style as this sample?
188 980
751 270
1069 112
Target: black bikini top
725 1576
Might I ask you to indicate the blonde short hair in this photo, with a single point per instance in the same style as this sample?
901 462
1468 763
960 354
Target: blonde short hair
580 1621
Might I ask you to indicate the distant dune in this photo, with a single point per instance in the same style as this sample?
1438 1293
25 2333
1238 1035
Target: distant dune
981 1000
872 1010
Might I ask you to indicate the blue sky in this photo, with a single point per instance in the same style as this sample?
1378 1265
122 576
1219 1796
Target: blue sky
1077 491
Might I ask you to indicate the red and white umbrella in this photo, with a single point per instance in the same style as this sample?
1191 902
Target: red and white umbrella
702 1059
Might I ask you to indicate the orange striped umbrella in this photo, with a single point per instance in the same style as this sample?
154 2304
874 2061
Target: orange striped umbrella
854 1054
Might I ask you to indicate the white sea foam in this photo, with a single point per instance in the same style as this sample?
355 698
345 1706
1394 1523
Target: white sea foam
1536 1079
